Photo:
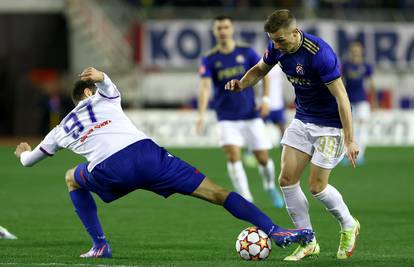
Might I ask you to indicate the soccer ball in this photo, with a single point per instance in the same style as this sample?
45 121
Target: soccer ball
253 244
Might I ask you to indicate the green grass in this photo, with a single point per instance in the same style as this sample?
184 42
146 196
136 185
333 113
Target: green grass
144 229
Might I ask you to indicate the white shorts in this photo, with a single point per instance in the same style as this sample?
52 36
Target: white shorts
361 111
250 133
324 144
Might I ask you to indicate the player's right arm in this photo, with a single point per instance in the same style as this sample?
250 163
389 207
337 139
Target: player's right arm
105 86
252 76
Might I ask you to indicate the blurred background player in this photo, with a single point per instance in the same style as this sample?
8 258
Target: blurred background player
276 116
122 159
320 131
276 103
357 75
239 121
5 234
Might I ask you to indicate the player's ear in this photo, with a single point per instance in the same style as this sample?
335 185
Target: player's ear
87 92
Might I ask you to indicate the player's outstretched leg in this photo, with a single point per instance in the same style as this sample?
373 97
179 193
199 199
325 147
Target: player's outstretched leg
4 234
86 209
244 210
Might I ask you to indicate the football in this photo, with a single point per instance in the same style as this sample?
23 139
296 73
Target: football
253 244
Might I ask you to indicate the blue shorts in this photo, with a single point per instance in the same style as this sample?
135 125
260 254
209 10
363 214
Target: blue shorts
142 165
276 116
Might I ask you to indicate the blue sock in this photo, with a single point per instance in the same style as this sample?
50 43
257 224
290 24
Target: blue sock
247 211
86 209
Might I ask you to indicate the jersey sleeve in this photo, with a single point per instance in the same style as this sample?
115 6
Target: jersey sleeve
269 56
48 147
369 70
327 65
205 70
107 89
253 57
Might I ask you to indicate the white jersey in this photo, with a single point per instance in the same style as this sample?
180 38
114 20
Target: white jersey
96 128
275 88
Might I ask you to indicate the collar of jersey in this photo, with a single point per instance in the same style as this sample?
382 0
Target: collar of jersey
302 37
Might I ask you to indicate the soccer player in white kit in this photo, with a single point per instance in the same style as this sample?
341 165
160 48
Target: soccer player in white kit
122 159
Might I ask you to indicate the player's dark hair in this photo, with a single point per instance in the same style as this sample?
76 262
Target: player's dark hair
279 19
78 90
222 17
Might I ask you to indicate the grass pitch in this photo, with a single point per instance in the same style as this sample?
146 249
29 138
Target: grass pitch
146 230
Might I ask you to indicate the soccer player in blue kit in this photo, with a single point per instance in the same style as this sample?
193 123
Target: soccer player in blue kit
320 131
122 158
356 72
239 122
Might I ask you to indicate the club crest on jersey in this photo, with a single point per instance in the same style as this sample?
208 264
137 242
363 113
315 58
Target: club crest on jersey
218 64
240 59
299 69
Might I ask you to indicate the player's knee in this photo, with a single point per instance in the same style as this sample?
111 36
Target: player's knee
316 187
70 180
262 157
286 179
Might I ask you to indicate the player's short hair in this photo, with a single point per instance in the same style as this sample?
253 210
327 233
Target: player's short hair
279 19
222 17
78 90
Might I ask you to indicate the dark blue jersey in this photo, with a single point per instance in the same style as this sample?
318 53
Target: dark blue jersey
354 75
309 69
222 68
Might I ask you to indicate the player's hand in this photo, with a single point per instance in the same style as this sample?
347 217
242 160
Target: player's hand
233 85
352 152
264 109
199 126
22 147
92 75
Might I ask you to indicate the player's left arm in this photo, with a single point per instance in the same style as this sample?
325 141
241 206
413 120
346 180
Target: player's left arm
105 86
28 157
337 89
47 147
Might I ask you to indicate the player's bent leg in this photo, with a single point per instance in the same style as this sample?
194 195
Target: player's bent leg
86 209
245 210
70 180
236 171
335 205
293 163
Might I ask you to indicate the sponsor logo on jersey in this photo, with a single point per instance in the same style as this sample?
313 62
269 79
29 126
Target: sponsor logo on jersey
231 72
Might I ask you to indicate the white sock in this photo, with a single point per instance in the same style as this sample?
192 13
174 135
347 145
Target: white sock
297 205
334 203
267 173
239 179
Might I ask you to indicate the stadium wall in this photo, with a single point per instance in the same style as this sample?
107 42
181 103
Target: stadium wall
173 128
